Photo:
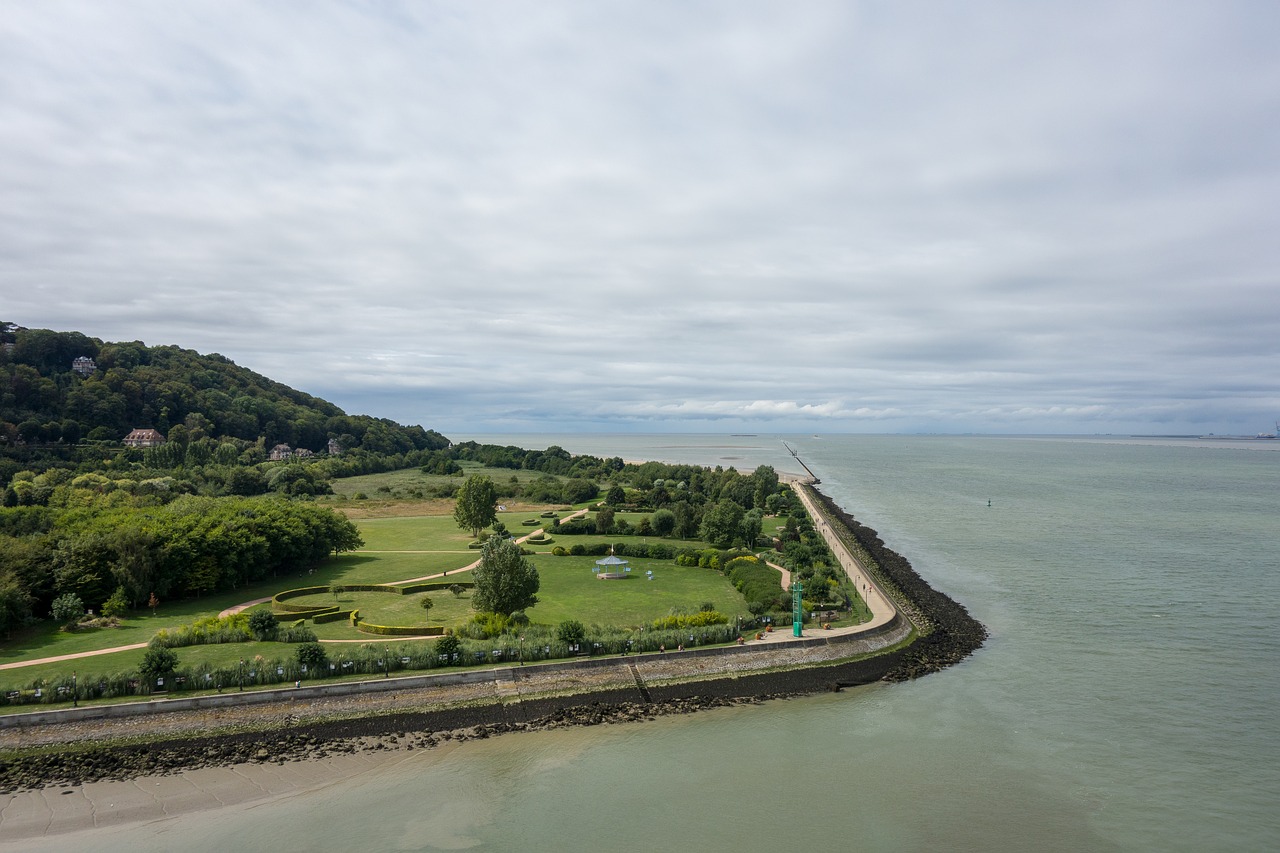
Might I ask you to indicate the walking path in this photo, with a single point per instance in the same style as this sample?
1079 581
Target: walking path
230 611
882 609
57 658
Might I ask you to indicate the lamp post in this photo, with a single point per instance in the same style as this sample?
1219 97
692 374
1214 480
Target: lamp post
75 690
240 675
521 647
797 608
386 661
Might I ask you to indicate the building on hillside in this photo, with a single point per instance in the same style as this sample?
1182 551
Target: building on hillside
302 453
144 438
280 452
334 447
84 366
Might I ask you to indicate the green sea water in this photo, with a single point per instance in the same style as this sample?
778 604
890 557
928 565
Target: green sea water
1128 698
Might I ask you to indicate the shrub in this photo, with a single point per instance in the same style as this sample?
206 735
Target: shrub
263 625
701 619
456 589
311 655
559 551
297 633
207 631
571 631
158 662
447 645
578 549
67 609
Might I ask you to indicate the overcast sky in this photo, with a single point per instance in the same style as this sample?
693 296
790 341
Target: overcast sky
666 216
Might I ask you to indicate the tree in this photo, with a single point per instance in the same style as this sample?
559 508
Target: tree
505 581
664 522
15 601
604 520
686 521
67 609
456 589
426 603
117 605
477 504
615 496
722 524
752 524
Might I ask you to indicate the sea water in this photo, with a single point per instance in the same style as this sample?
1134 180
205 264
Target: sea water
1127 698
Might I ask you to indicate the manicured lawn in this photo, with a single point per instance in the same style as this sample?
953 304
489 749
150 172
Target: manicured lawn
570 590
399 549
402 483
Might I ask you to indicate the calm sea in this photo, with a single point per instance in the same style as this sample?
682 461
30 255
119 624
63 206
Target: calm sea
1128 699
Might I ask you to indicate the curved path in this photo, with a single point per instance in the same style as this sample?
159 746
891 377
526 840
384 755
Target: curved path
882 609
230 611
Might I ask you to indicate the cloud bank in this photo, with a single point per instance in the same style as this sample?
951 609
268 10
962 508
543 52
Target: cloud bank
665 216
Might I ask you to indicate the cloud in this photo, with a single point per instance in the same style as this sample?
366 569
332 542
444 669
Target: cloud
714 215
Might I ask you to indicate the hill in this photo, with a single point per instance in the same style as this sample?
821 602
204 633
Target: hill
60 389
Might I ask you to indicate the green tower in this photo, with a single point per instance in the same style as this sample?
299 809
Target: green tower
797 612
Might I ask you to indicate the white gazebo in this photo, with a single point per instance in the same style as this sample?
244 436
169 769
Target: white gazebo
611 568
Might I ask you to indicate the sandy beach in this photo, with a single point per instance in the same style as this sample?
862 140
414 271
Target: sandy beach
82 817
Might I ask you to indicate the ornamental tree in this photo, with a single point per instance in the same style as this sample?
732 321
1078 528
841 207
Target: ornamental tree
477 504
505 581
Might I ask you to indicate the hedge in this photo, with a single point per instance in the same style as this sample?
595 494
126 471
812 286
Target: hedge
335 616
400 630
434 585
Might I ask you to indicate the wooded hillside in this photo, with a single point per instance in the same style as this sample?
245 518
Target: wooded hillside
46 406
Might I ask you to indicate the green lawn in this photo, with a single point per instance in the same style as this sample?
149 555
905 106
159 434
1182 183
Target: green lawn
399 549
570 590
403 483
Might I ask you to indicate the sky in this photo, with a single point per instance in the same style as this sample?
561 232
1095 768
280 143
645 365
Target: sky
666 216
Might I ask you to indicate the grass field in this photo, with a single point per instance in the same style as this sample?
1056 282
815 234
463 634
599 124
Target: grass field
405 536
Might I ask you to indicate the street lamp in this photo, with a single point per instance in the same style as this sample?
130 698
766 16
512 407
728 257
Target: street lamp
75 691
386 661
240 676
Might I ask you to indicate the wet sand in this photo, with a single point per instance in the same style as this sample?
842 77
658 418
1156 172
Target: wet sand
82 817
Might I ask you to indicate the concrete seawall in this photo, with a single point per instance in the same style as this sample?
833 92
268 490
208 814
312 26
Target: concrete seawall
692 663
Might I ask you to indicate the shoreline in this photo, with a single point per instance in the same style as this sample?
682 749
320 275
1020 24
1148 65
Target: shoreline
630 689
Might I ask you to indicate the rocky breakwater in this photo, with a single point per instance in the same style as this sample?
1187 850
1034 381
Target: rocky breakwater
948 634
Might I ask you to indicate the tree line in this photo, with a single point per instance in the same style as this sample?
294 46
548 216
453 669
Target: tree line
96 545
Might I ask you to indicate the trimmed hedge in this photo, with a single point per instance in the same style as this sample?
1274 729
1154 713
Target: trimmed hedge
299 613
437 584
335 616
401 630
